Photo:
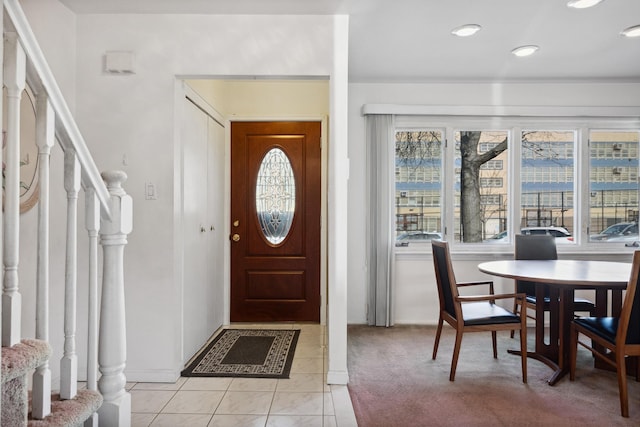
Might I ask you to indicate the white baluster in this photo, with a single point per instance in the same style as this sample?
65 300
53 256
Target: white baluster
1 160
69 361
45 122
14 81
92 213
116 409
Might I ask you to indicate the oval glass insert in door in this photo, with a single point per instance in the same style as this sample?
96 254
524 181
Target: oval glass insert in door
275 196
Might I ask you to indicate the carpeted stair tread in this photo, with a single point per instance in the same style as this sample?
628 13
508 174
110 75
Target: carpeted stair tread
18 361
72 412
23 357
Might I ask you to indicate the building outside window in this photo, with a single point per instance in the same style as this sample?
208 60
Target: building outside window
547 184
613 186
418 201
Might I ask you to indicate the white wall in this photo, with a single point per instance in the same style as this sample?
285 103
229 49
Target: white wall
51 17
265 98
129 124
416 299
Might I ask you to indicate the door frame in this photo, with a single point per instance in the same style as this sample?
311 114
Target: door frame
334 258
323 203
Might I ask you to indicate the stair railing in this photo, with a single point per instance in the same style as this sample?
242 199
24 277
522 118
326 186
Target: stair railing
108 219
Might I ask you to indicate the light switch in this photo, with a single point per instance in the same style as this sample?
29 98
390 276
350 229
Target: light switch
150 191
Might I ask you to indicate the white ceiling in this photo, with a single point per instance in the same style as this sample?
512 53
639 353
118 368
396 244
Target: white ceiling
410 40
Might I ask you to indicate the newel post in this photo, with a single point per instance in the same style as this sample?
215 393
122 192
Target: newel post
112 352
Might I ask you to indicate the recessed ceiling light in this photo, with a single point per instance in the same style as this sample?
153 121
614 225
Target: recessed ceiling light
525 50
631 31
466 30
582 4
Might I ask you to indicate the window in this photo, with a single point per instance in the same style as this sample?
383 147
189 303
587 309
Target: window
479 181
547 179
475 181
613 186
492 165
491 182
418 185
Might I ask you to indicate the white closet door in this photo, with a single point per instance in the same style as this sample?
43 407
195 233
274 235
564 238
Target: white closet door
216 210
203 281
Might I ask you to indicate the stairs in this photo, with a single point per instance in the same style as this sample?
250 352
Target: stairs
71 412
19 361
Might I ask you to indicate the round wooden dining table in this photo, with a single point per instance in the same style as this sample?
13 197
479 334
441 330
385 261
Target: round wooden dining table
563 277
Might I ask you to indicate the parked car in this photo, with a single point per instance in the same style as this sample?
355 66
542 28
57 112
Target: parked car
417 236
497 238
620 232
561 234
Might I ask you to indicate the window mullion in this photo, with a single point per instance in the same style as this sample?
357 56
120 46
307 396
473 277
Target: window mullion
515 182
448 175
582 185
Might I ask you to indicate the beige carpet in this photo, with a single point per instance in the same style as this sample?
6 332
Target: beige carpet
394 382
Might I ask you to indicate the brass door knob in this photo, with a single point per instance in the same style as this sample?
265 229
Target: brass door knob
235 237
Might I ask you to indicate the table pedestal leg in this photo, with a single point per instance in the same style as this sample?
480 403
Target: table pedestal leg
546 353
565 306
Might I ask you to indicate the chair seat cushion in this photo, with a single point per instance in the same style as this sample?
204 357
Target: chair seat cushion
604 327
484 313
579 304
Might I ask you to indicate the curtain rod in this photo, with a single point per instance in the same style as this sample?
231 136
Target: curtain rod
502 110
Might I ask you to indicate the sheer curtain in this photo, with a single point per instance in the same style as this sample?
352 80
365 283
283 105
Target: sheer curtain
380 156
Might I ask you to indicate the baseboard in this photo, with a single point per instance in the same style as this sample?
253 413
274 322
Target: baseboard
152 376
338 377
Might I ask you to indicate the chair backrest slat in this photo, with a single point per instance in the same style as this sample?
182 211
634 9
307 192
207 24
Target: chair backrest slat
534 247
629 325
444 276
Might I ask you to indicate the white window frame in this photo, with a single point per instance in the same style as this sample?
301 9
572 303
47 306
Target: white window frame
581 125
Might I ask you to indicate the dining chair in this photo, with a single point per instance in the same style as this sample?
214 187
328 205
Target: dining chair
620 336
477 313
541 247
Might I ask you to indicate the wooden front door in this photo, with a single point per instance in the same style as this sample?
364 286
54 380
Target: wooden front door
275 221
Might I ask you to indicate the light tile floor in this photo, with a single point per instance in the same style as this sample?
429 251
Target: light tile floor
303 400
